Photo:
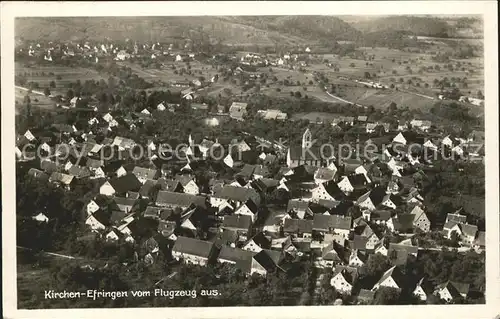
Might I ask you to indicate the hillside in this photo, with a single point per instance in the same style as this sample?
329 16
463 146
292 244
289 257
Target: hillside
308 27
264 30
425 26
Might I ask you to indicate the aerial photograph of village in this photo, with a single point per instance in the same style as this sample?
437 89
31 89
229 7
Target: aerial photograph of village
249 161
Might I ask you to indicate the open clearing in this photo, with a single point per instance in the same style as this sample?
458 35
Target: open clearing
37 100
44 74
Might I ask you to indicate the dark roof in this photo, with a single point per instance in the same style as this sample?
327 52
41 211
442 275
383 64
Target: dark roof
377 195
193 246
79 172
398 253
326 222
167 198
469 230
166 228
298 225
404 222
333 252
242 222
117 216
49 166
395 273
357 180
265 260
261 240
297 205
239 194
457 218
38 174
358 242
125 183
147 187
455 288
234 254
227 237
349 273
152 212
333 190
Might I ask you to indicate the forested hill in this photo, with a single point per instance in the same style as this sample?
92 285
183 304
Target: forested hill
420 25
266 30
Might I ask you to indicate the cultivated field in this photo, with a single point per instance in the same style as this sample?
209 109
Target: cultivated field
37 99
61 75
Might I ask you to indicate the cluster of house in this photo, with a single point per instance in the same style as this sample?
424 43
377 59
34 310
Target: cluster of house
226 220
119 52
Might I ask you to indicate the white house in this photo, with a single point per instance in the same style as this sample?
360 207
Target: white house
447 141
345 185
392 278
399 139
41 218
94 223
343 279
228 160
92 207
161 107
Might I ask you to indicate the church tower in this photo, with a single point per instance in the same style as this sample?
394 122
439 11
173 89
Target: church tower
307 139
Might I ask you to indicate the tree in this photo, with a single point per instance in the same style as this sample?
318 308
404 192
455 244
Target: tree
480 95
298 94
46 91
387 296
70 94
393 107
367 75
52 84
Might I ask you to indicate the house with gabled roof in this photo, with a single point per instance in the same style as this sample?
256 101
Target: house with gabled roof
143 174
343 279
274 222
450 290
242 224
420 220
257 243
248 208
357 258
62 179
324 174
193 251
234 195
124 204
392 278
479 243
99 220
188 184
332 224
423 289
233 255
327 191
174 200
398 253
38 174
298 207
120 185
298 227
260 263
402 223
238 110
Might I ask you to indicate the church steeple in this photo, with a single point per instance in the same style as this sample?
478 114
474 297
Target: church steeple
307 139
